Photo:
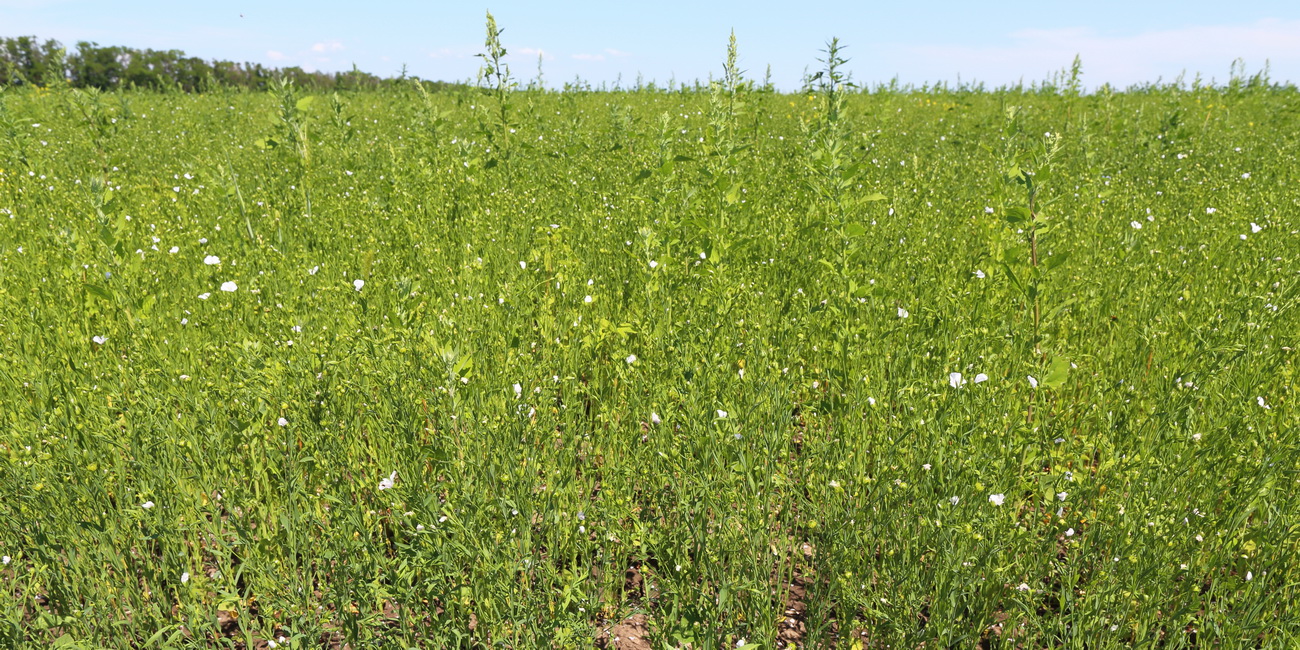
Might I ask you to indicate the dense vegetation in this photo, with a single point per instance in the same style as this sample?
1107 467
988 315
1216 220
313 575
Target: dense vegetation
25 60
728 368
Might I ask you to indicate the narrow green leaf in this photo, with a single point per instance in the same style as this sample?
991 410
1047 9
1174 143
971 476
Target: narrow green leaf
101 292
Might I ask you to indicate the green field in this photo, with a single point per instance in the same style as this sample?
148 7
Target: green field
532 369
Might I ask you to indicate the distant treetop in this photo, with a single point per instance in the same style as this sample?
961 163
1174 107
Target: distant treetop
25 60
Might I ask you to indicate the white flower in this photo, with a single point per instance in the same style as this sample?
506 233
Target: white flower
1022 587
203 240
519 390
174 250
587 300
1246 176
1062 495
212 260
955 380
1249 576
282 422
741 643
722 415
903 313
979 274
654 418
1262 403
313 270
523 265
147 505
229 287
926 467
388 482
703 256
988 209
1033 383
981 378
185 577
358 283
631 358
954 500
654 264
1254 227
997 499
99 339
1210 210
1137 225
6 559
204 296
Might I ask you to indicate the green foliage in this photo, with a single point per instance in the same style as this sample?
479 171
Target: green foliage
703 357
26 61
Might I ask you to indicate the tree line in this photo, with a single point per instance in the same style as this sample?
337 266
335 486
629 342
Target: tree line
25 60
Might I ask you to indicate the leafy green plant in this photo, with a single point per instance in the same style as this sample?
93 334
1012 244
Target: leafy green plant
315 373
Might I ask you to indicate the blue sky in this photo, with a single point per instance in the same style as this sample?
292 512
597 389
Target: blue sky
1121 42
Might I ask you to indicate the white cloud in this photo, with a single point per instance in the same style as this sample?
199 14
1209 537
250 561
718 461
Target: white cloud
534 52
275 55
1033 54
328 46
447 53
589 57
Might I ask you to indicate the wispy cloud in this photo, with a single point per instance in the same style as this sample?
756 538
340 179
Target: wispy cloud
1121 60
589 57
327 46
448 53
534 52
310 59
